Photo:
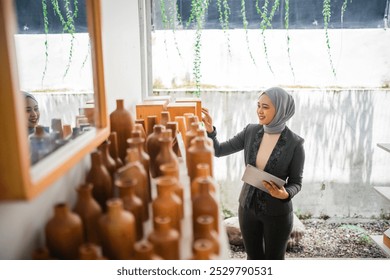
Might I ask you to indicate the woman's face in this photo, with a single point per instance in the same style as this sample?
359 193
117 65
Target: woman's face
265 110
32 112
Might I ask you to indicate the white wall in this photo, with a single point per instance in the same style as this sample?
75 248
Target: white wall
22 223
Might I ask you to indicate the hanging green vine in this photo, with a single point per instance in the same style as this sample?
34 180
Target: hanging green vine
46 29
286 26
326 12
224 13
343 9
245 25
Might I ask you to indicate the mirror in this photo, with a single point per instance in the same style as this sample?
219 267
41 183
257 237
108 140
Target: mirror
67 85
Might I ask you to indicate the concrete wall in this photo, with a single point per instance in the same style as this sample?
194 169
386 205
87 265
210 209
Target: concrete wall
22 223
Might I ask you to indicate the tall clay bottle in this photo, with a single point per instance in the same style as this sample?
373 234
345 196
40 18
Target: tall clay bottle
122 123
165 239
151 121
153 147
89 211
132 203
200 152
138 127
114 149
167 203
175 146
205 204
187 119
182 128
142 123
191 134
200 132
202 170
204 230
165 118
117 231
108 161
101 180
134 170
64 233
203 250
166 154
90 251
137 142
171 169
144 250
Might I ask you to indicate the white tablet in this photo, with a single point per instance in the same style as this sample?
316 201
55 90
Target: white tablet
255 177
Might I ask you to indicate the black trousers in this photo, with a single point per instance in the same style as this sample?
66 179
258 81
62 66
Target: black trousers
265 237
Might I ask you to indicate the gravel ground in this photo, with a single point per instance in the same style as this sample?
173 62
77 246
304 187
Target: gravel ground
334 238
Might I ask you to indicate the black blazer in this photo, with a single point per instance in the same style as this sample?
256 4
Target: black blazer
286 161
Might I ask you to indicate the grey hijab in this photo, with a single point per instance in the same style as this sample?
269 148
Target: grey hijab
26 94
285 109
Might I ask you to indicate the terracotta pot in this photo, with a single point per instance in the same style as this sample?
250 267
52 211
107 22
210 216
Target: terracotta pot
203 250
202 171
64 233
204 230
138 143
166 154
89 211
114 149
134 170
199 153
132 203
167 203
117 229
90 251
108 161
144 251
205 204
100 178
191 134
153 147
122 123
165 239
175 145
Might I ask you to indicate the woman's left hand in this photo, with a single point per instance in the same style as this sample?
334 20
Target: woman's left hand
276 191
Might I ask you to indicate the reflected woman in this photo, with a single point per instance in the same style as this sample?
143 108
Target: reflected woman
32 112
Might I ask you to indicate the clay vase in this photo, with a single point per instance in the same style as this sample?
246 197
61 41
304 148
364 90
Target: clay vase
165 118
200 152
117 231
200 132
182 128
151 121
205 204
122 123
171 169
187 118
204 230
175 145
153 148
166 154
132 203
202 170
144 251
137 142
89 211
101 180
142 123
114 149
134 170
108 161
191 134
167 203
203 250
165 239
90 251
64 233
138 127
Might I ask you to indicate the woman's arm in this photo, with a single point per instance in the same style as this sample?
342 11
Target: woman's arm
294 183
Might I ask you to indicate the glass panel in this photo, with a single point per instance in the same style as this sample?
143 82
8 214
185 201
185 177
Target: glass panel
55 72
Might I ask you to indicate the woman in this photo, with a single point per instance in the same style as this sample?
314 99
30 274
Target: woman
32 112
266 219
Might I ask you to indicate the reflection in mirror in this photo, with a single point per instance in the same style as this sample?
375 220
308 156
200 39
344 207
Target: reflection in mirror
55 72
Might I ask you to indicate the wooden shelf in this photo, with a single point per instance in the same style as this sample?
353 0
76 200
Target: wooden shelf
383 191
384 146
378 239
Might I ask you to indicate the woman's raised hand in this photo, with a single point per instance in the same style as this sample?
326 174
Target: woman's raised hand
207 120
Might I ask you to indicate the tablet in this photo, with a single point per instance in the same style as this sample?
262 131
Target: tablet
254 177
